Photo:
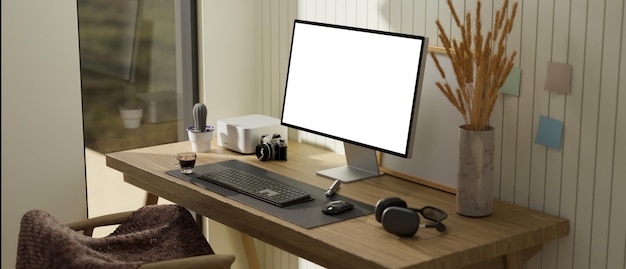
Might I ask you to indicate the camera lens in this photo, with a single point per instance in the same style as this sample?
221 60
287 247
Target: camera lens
263 152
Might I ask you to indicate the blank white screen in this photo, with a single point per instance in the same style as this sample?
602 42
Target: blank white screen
356 86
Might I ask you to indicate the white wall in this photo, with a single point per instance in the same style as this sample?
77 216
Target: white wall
228 83
42 137
585 180
228 56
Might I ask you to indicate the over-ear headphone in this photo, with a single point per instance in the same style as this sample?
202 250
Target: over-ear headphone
397 219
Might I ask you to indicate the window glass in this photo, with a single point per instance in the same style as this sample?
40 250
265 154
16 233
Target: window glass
134 90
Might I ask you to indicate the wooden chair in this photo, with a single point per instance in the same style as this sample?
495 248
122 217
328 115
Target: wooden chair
154 236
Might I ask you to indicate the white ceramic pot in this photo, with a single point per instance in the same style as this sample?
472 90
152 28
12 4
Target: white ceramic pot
131 117
201 141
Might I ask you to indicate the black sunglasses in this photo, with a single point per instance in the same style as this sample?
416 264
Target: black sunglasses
433 214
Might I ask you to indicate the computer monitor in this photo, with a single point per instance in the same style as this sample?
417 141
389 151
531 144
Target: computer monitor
359 86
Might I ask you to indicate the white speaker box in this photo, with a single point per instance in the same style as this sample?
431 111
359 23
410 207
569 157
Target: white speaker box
243 134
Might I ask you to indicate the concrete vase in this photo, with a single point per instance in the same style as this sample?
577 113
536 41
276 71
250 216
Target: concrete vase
474 197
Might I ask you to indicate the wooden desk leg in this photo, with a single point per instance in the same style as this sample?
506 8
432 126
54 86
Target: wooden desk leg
250 249
200 221
518 259
514 261
151 199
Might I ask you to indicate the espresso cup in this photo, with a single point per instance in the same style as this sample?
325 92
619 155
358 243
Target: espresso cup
186 161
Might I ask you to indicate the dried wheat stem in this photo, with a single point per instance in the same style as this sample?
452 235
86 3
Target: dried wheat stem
479 62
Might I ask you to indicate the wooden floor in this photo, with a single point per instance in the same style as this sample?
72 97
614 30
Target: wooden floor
107 192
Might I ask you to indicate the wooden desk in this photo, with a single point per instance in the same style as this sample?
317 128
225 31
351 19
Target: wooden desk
506 239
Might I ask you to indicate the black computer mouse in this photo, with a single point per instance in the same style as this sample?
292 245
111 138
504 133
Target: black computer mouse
336 207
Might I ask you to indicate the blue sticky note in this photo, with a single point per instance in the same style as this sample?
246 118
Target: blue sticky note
511 84
549 133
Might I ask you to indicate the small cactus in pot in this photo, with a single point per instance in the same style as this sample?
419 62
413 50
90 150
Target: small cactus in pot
130 110
200 134
199 117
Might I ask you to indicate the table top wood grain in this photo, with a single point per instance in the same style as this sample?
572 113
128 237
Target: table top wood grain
506 239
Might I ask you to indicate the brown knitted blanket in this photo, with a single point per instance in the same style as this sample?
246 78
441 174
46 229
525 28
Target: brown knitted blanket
152 233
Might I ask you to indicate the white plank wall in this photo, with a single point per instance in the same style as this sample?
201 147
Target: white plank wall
584 181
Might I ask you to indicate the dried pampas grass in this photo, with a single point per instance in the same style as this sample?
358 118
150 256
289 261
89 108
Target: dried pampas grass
480 63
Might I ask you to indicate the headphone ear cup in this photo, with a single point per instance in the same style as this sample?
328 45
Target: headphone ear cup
385 203
400 221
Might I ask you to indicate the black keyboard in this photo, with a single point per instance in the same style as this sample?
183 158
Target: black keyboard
263 188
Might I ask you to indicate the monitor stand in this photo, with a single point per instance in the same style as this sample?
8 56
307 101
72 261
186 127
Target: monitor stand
362 164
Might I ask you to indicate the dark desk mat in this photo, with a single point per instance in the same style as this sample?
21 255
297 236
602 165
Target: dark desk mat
308 214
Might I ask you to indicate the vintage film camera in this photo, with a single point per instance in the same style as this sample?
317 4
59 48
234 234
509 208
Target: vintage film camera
271 147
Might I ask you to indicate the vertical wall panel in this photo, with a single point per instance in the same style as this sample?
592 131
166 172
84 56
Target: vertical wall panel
361 13
265 69
395 16
543 54
572 132
589 134
260 28
444 16
406 24
540 103
554 160
616 256
320 11
496 119
584 181
263 57
606 131
510 118
274 58
351 11
380 12
525 118
534 192
419 20
496 122
331 15
371 13
285 23
557 106
310 8
431 9
340 12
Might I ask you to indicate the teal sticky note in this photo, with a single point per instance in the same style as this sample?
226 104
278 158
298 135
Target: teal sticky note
549 133
511 84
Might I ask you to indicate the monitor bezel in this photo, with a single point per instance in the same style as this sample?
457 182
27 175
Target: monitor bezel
416 97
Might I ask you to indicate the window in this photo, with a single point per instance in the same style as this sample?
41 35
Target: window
137 54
